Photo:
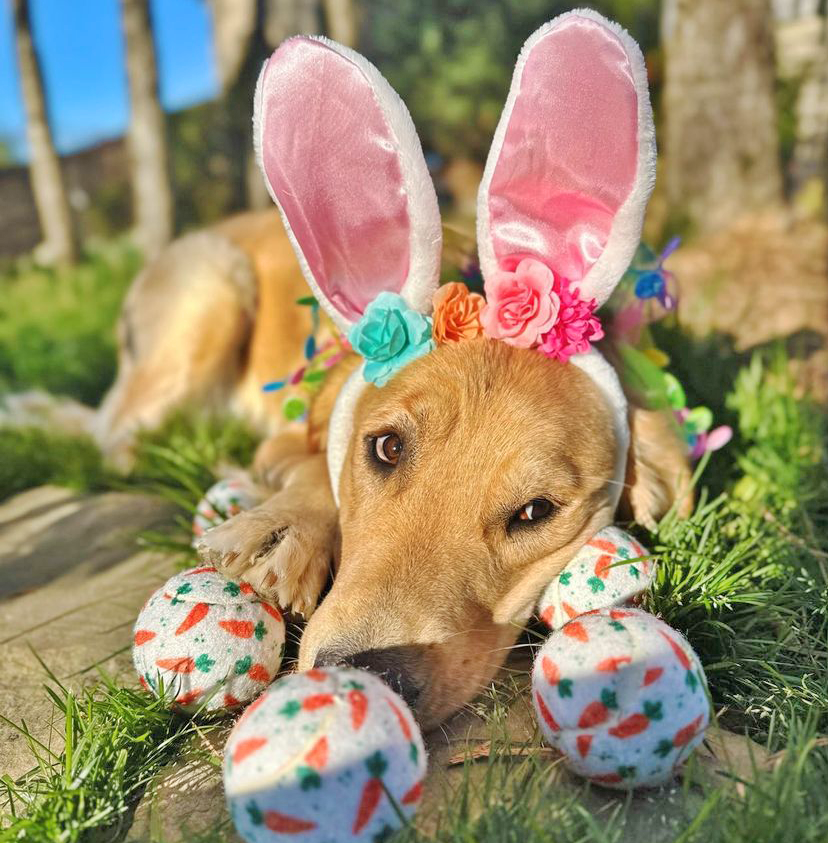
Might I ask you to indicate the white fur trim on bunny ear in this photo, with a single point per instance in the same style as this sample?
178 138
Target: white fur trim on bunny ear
596 366
341 427
342 161
571 182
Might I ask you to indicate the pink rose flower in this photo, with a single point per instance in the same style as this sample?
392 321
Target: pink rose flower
521 306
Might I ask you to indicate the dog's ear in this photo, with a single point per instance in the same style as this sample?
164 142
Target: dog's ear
658 471
573 158
342 160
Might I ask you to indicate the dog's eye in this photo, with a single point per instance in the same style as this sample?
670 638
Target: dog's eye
534 511
387 448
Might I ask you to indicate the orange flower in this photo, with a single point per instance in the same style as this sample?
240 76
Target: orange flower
457 313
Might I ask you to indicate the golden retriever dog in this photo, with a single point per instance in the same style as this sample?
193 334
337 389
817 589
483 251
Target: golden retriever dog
449 496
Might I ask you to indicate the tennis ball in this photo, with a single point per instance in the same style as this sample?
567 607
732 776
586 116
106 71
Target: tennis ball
610 570
206 642
221 502
622 696
325 755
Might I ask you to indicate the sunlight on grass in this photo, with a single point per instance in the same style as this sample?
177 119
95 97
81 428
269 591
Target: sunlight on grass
108 743
57 326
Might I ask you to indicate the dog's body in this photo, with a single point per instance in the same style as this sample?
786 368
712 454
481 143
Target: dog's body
456 491
427 578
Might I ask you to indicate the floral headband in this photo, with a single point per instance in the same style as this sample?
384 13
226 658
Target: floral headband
560 206
527 308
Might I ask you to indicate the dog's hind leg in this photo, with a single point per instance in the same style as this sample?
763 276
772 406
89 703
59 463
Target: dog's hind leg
285 546
182 336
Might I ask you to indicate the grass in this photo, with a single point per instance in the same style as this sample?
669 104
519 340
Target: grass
112 742
57 326
745 578
57 334
31 456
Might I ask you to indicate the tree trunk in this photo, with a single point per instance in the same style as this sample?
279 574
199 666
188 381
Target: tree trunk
802 57
147 143
234 22
283 18
341 21
59 244
722 146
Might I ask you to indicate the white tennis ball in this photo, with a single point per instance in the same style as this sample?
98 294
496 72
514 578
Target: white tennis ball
325 755
207 642
221 502
611 569
622 696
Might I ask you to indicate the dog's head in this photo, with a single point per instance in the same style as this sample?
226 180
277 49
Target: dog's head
469 477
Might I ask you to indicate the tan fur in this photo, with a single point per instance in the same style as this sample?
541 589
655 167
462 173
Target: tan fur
426 572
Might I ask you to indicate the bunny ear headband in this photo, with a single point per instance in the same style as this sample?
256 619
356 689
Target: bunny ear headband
560 208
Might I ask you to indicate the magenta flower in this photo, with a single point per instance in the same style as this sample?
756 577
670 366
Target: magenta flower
576 328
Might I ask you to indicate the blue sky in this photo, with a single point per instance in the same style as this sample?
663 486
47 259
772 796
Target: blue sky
82 58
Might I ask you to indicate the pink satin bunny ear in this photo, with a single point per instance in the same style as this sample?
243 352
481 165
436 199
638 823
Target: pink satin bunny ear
343 162
573 159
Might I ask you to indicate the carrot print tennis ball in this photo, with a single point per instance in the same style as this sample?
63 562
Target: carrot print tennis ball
622 696
611 569
223 500
206 642
327 755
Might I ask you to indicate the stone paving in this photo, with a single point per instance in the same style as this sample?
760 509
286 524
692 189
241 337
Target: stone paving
72 578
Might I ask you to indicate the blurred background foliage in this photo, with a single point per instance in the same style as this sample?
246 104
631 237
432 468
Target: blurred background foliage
452 60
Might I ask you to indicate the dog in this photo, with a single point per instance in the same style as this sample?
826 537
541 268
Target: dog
470 479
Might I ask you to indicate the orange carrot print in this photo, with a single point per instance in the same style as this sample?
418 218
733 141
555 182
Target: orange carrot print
194 616
246 748
603 544
583 742
611 665
593 715
652 675
576 630
602 566
259 673
547 714
271 610
142 636
316 674
371 792
405 727
241 629
179 665
680 654
317 756
286 824
359 708
413 795
684 735
316 701
570 611
550 671
629 726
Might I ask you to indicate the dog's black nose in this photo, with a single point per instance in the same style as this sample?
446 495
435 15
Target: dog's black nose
398 667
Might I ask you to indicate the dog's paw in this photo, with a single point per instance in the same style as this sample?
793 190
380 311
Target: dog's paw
281 550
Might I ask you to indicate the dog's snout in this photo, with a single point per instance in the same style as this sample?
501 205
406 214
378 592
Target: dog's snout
398 667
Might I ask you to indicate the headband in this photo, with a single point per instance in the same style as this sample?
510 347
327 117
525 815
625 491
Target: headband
560 207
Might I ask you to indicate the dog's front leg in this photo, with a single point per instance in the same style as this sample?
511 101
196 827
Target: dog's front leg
284 546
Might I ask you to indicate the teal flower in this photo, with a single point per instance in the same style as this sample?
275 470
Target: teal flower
389 336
